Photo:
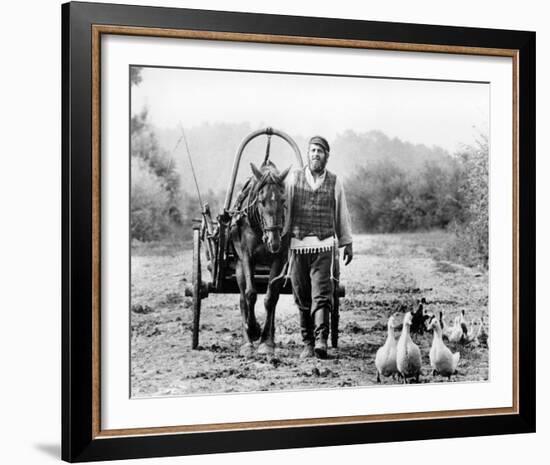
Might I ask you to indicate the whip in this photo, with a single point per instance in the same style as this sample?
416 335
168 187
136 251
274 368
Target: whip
182 137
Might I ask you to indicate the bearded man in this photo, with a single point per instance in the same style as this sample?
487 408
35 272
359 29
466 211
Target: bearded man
318 221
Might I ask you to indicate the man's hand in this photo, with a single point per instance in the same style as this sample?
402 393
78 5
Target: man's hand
348 254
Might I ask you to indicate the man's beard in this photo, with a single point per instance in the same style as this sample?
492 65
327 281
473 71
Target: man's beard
317 166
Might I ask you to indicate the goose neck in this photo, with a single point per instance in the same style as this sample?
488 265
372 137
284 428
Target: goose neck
406 330
437 331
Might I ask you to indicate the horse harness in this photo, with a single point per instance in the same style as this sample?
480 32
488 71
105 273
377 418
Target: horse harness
249 196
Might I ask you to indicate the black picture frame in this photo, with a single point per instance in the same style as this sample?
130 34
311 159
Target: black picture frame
79 440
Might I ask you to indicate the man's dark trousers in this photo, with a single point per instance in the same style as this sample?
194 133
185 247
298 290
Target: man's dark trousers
313 293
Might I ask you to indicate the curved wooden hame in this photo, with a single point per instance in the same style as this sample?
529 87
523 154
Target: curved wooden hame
267 131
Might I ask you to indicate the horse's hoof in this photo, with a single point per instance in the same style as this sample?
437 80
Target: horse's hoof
247 350
254 332
266 349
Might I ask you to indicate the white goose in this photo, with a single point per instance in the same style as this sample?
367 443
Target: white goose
409 360
464 324
455 332
473 332
385 360
442 360
482 335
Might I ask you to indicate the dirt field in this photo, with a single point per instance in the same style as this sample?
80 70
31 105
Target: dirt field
386 269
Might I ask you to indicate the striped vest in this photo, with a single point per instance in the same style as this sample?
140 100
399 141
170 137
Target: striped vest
313 211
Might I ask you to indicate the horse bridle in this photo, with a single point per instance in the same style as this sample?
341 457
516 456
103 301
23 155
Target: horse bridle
259 219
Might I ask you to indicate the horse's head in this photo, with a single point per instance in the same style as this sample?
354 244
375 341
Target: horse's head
270 199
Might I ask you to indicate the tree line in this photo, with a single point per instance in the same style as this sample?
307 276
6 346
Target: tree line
450 194
393 186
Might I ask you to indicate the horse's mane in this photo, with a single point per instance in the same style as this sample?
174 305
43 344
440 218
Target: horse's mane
270 175
251 187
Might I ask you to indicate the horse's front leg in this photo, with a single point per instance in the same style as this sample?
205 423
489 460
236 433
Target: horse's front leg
251 328
267 342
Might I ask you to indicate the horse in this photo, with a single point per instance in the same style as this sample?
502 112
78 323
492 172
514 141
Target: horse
256 235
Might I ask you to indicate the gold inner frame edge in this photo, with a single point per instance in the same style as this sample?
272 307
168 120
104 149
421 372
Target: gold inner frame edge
97 32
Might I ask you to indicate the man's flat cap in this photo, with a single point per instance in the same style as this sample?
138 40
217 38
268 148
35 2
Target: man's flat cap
320 141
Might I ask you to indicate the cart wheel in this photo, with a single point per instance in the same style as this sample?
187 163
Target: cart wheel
334 320
196 286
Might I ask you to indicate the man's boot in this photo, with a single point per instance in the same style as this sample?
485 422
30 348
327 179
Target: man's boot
321 347
321 333
306 328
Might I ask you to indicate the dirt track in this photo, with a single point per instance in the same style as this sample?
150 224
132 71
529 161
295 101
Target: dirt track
386 269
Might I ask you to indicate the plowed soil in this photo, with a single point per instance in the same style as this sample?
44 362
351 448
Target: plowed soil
386 270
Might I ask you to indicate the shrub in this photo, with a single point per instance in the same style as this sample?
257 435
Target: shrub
148 219
452 193
471 230
156 198
385 198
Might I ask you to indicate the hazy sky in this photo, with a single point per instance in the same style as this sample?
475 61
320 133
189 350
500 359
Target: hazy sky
433 113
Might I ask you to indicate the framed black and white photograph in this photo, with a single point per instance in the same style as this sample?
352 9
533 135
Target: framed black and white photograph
292 232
